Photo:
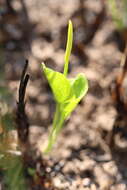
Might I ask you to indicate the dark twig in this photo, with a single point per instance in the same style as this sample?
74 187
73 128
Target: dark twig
21 117
23 83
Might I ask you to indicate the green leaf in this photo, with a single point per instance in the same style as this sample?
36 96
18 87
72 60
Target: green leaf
80 88
68 47
59 84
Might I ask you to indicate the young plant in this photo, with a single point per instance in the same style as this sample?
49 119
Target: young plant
67 92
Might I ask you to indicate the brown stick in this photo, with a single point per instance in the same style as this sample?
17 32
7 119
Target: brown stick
21 117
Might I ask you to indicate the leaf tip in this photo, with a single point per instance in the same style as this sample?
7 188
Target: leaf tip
68 47
70 23
43 65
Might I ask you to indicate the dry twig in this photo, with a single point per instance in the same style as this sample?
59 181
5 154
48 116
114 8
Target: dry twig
21 117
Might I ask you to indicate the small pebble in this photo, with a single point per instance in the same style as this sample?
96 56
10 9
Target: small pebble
86 182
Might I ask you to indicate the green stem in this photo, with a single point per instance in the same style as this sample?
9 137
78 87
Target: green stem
68 47
57 124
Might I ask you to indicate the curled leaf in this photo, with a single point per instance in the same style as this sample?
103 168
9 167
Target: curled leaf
79 87
59 84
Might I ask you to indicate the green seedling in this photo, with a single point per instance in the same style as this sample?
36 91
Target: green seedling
67 92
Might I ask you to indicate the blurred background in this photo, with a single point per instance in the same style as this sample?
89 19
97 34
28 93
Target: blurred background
91 151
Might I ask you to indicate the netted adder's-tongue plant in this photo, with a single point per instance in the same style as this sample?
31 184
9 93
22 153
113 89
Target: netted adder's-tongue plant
67 92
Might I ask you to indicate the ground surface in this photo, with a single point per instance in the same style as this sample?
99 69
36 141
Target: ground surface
81 158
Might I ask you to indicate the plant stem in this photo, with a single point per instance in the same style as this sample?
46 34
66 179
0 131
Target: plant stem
68 47
57 124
